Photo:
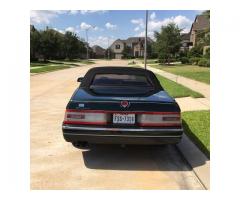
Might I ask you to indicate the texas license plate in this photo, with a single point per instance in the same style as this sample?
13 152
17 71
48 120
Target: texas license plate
123 118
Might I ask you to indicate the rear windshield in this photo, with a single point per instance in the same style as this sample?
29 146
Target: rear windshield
121 80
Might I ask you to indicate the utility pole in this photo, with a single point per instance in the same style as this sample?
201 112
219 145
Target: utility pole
108 49
145 49
87 39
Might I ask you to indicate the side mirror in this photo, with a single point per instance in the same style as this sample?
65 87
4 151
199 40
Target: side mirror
80 79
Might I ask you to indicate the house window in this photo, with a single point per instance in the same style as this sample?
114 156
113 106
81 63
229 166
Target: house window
117 46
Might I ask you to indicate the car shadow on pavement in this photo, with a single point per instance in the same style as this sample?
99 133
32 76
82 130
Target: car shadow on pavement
153 158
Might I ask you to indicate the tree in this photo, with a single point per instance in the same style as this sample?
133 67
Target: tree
127 52
50 43
168 41
154 50
195 51
72 45
34 43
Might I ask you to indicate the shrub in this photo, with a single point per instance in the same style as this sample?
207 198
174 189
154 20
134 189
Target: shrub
194 60
204 62
162 60
207 53
184 60
195 52
173 60
181 55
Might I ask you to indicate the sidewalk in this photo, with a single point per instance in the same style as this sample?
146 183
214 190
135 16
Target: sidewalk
188 149
187 103
192 84
193 104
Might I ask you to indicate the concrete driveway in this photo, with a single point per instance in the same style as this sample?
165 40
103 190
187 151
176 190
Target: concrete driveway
56 164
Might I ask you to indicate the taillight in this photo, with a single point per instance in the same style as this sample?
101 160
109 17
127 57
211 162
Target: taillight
160 119
82 117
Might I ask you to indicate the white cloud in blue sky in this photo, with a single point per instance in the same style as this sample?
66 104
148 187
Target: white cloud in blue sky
73 12
44 16
110 26
155 24
85 26
153 16
92 11
106 26
70 29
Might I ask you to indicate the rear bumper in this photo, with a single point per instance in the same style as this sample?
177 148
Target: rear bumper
121 135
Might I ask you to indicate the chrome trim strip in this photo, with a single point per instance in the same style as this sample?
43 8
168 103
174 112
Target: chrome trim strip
145 136
119 129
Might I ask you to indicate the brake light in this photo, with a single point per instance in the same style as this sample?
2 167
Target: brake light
81 117
160 119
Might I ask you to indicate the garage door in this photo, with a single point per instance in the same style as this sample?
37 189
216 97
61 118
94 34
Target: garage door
118 56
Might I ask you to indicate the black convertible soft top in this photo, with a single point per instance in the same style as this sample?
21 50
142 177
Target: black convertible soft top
89 76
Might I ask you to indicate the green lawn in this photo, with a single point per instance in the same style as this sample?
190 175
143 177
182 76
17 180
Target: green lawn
86 62
176 90
197 126
197 73
47 68
53 65
149 61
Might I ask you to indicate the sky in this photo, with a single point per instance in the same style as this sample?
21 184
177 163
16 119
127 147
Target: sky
104 26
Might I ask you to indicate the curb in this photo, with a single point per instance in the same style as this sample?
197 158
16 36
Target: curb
196 159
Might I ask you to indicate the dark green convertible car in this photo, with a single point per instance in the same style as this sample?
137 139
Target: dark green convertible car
121 105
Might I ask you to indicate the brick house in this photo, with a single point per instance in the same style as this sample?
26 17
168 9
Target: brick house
98 52
135 43
200 24
185 43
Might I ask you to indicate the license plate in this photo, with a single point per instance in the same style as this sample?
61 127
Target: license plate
123 118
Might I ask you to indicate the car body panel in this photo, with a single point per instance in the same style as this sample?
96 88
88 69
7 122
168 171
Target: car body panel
105 135
84 100
160 101
83 95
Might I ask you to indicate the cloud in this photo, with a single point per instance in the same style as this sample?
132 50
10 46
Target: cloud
85 26
101 41
153 16
155 25
70 29
138 22
110 26
137 28
73 12
142 34
60 31
92 11
96 28
44 16
182 22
